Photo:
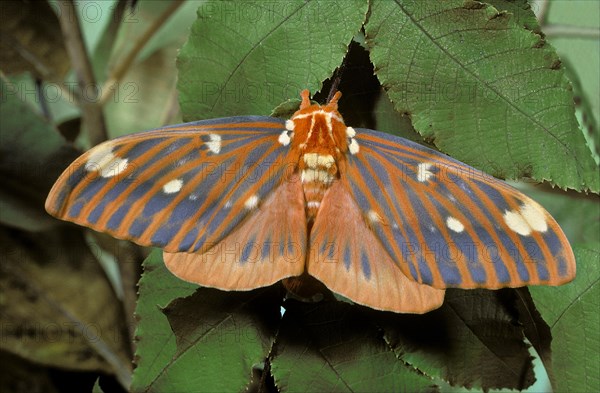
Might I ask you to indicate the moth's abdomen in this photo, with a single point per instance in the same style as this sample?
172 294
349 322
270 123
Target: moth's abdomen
317 172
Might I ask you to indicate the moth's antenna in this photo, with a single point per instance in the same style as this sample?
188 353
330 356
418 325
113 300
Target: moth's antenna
337 78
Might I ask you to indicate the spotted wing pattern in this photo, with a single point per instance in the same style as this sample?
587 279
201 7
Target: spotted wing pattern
182 188
446 224
400 223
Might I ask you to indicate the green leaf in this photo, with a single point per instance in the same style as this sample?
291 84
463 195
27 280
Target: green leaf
581 56
536 330
32 156
221 336
571 311
490 92
364 102
332 346
246 57
155 340
521 12
58 308
470 341
584 111
97 388
474 340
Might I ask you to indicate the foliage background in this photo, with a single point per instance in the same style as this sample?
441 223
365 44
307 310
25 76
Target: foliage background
68 295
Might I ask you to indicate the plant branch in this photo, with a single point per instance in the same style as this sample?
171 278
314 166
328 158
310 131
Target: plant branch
121 69
571 31
542 13
93 118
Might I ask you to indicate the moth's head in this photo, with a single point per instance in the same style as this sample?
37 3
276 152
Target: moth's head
318 127
306 108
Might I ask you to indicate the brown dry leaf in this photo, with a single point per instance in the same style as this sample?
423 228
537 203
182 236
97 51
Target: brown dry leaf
32 41
57 306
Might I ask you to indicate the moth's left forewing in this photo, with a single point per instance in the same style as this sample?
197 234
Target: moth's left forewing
177 187
451 225
217 195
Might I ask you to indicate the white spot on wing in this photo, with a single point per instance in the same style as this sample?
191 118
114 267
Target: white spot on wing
284 138
454 224
99 156
529 218
535 217
251 202
517 223
374 217
353 146
290 125
423 172
350 132
104 161
214 144
173 186
115 167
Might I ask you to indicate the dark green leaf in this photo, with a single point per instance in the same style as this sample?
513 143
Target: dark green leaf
32 156
536 329
521 12
492 93
246 57
155 340
364 103
97 388
219 334
334 347
580 51
471 341
571 311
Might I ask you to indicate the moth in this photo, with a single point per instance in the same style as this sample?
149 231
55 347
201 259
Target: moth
243 202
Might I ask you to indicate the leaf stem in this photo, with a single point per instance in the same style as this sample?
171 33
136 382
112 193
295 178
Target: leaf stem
542 14
92 115
121 69
552 30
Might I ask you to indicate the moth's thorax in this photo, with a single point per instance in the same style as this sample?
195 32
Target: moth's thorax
320 139
318 130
